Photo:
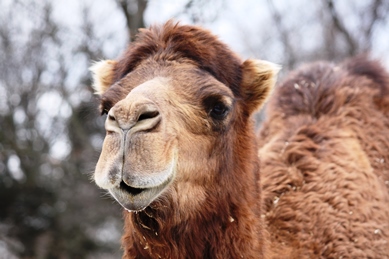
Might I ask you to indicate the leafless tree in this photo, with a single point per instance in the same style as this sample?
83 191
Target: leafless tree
50 129
335 36
133 11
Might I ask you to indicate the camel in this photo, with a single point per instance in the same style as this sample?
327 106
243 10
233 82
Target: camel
196 181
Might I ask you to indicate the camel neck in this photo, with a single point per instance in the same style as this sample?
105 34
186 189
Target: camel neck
227 226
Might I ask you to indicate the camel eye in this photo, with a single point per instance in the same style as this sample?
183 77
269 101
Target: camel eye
106 105
104 111
219 111
104 108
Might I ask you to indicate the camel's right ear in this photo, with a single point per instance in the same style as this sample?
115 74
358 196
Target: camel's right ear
102 74
259 77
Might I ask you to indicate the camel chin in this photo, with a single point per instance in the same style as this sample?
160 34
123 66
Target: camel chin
138 190
137 199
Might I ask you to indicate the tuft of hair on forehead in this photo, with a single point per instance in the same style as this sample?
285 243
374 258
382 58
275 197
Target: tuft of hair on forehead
174 42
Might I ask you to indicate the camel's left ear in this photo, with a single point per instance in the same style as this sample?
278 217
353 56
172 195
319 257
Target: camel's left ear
259 78
102 74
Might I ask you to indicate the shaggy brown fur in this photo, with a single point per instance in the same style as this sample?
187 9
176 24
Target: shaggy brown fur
174 43
325 161
321 188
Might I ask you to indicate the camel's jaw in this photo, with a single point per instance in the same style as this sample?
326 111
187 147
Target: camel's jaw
135 198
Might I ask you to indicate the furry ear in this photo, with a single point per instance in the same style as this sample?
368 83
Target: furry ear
259 78
102 74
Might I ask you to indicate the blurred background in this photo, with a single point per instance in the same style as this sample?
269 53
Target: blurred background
50 129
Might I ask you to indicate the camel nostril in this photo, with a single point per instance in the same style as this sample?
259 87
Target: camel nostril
148 115
112 118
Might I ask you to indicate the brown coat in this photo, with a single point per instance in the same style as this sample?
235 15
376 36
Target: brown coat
312 184
324 152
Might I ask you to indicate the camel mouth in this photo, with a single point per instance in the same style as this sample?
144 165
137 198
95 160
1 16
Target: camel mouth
136 199
131 190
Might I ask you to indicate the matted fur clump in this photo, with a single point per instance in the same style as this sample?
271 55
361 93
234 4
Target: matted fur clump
325 161
181 155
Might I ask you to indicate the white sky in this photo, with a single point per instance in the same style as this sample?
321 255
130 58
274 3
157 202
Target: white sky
243 25
240 24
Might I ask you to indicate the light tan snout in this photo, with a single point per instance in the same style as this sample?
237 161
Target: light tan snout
138 157
135 113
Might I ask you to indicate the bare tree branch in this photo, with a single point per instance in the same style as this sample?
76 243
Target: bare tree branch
284 35
202 11
133 11
353 46
375 17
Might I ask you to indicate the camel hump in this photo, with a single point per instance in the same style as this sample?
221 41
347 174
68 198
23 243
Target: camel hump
323 88
372 69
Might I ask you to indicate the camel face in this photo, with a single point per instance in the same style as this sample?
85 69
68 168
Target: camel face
162 131
177 102
181 149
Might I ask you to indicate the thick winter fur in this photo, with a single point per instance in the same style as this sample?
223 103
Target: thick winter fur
319 188
173 43
324 153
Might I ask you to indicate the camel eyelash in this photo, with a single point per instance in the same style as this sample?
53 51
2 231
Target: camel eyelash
216 107
104 109
104 112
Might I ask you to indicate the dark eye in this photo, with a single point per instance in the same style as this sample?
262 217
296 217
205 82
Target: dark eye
104 108
104 111
219 111
105 105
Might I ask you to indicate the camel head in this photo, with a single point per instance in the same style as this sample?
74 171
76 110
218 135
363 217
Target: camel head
174 104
